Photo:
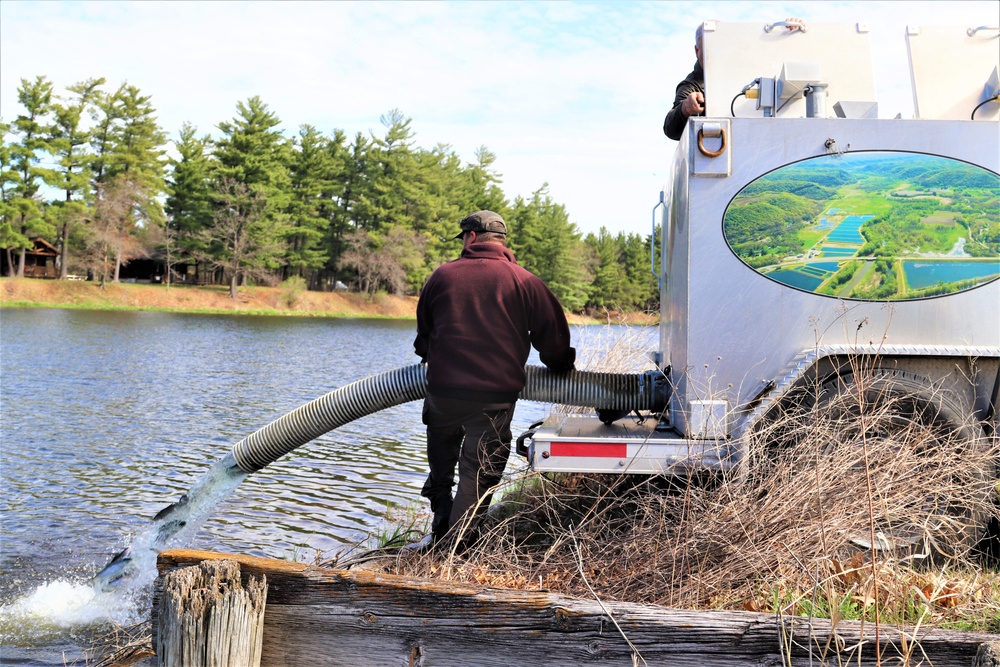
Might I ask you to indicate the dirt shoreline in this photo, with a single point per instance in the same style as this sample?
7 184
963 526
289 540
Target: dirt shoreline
214 299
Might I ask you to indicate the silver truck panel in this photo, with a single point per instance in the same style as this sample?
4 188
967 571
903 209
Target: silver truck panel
727 327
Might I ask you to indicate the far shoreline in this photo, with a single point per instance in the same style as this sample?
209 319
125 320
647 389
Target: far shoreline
251 301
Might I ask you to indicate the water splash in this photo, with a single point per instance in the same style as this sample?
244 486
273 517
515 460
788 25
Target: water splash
57 607
117 593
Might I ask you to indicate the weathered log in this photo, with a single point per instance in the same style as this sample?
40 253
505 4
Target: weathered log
206 617
989 655
318 616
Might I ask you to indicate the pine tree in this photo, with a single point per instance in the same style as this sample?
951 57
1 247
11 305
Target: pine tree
28 214
68 145
622 278
253 153
485 192
104 114
8 181
129 158
137 149
639 269
332 206
548 244
313 171
189 205
356 177
609 287
393 190
435 207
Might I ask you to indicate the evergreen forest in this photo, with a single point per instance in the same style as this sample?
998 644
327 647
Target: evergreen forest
90 171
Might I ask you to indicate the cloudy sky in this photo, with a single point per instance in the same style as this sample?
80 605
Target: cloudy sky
568 93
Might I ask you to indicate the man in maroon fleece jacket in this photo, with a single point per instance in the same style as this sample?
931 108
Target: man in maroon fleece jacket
477 318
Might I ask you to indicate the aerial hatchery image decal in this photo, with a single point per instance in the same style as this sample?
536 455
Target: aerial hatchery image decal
871 226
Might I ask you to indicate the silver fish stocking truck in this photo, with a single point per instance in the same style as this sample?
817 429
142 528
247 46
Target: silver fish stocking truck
819 264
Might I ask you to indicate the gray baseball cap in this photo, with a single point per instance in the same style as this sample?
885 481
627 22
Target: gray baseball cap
483 221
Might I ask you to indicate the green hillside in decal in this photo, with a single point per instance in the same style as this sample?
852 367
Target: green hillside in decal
871 226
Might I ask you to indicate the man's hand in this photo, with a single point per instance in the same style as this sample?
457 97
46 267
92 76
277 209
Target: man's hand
693 104
794 20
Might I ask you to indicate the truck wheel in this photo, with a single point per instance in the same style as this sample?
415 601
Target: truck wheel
896 433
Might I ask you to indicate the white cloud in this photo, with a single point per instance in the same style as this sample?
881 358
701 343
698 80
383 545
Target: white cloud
570 93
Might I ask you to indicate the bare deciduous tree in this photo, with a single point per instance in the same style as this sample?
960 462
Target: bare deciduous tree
163 237
243 240
382 262
111 240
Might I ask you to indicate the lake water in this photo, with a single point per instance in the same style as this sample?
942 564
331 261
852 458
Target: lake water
833 251
924 273
106 417
849 231
795 278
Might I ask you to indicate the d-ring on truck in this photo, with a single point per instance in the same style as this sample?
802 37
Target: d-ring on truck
803 236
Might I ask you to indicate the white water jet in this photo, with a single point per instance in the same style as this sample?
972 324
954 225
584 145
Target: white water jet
173 526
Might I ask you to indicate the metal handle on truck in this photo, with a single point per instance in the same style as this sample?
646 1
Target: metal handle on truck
652 244
791 25
714 131
971 32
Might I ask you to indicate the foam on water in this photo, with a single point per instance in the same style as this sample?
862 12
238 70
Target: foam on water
56 607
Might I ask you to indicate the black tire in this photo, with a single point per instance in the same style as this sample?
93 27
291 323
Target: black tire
906 440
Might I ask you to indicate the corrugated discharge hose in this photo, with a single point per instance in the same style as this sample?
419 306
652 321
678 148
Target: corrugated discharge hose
612 391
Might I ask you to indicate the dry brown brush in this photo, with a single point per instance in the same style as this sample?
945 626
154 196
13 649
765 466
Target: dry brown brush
789 532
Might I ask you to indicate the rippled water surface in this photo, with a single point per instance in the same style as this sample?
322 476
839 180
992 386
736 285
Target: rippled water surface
107 417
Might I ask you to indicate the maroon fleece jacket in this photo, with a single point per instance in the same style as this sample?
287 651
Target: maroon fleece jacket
477 317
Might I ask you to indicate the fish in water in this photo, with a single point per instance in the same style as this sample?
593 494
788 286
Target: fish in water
138 561
170 509
168 530
122 569
116 572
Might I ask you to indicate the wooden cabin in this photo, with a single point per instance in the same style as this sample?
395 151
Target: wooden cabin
40 261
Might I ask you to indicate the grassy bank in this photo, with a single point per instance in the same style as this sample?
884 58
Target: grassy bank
28 292
214 299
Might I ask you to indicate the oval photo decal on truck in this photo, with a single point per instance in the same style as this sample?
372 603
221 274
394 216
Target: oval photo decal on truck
870 226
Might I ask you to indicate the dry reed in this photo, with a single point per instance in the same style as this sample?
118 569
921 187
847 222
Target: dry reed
788 533
121 646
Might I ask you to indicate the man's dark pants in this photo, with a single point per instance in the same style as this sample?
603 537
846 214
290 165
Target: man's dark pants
474 435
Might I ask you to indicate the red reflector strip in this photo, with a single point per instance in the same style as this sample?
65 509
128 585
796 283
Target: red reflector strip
612 450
